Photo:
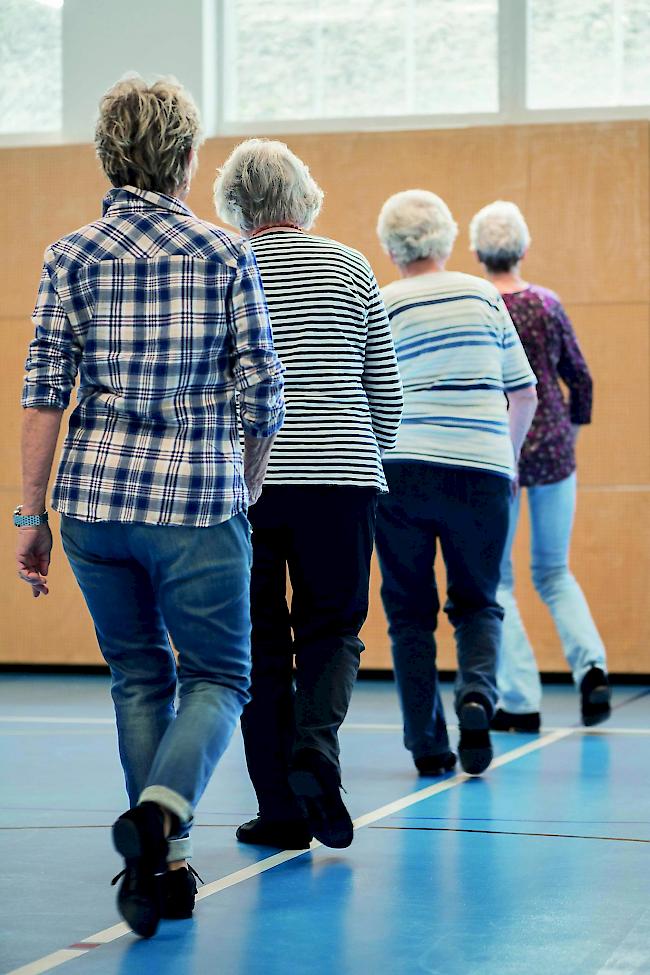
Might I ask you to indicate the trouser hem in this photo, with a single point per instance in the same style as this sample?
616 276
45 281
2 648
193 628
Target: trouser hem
168 799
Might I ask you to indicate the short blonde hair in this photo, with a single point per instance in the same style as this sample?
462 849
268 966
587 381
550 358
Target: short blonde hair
415 225
499 235
261 183
145 132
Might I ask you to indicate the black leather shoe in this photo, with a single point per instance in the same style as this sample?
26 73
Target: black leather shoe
178 893
438 764
529 722
286 834
317 787
474 746
595 697
139 836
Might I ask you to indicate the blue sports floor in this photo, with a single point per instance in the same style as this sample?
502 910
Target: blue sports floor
541 867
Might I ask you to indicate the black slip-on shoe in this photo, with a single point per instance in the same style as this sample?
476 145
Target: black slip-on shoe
179 893
139 836
316 785
438 764
284 834
529 722
474 746
595 697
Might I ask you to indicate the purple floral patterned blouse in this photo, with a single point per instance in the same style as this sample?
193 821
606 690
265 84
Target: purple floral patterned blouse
548 454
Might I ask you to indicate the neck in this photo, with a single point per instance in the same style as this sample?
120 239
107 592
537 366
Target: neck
284 225
507 282
427 265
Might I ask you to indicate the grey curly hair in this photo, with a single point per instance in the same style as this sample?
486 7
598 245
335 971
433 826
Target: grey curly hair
415 225
262 183
145 132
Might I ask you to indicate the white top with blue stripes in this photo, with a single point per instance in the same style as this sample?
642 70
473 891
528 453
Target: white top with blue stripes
459 354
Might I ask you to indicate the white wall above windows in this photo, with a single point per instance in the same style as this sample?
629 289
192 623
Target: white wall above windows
282 66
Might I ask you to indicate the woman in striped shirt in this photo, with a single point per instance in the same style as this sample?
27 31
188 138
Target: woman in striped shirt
469 398
316 516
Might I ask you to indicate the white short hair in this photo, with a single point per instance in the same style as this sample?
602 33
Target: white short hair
263 183
499 235
414 225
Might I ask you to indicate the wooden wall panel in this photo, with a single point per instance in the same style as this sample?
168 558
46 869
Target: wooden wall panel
588 211
615 447
584 190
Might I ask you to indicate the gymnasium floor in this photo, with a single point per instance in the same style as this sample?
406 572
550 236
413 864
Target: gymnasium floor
542 867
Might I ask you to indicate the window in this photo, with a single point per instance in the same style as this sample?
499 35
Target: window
354 58
30 66
588 53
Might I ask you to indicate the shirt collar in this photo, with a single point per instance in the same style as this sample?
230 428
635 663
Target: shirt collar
132 198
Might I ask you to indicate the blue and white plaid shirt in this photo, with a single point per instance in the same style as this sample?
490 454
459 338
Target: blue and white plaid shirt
164 318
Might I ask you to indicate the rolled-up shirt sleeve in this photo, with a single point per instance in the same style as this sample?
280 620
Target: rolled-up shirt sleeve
55 351
257 370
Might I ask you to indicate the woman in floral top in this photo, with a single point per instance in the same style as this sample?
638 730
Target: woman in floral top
500 238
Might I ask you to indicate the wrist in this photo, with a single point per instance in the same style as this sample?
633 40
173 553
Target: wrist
29 516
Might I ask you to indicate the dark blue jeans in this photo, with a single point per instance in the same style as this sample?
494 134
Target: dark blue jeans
466 511
141 583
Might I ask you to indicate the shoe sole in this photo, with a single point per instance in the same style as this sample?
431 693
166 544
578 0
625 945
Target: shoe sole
473 717
126 839
334 831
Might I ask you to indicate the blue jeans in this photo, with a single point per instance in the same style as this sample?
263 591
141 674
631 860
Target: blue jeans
143 585
466 513
551 508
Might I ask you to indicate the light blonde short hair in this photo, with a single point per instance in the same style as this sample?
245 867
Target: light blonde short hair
415 225
261 183
145 132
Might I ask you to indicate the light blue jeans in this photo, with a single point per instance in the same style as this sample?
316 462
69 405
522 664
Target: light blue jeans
551 508
145 584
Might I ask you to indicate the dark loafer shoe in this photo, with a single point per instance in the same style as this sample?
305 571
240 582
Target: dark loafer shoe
283 834
438 764
529 722
474 746
595 697
317 787
139 836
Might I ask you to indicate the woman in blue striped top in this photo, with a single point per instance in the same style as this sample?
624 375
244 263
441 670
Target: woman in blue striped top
469 398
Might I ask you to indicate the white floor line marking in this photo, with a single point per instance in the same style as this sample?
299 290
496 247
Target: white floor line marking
48 962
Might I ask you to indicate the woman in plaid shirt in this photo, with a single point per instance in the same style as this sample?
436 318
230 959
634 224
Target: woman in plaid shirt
164 319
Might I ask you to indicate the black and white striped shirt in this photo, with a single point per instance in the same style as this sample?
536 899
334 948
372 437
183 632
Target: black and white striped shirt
342 388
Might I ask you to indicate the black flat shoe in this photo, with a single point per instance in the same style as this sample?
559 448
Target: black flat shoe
286 835
179 893
529 722
474 746
139 836
316 785
438 764
595 697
